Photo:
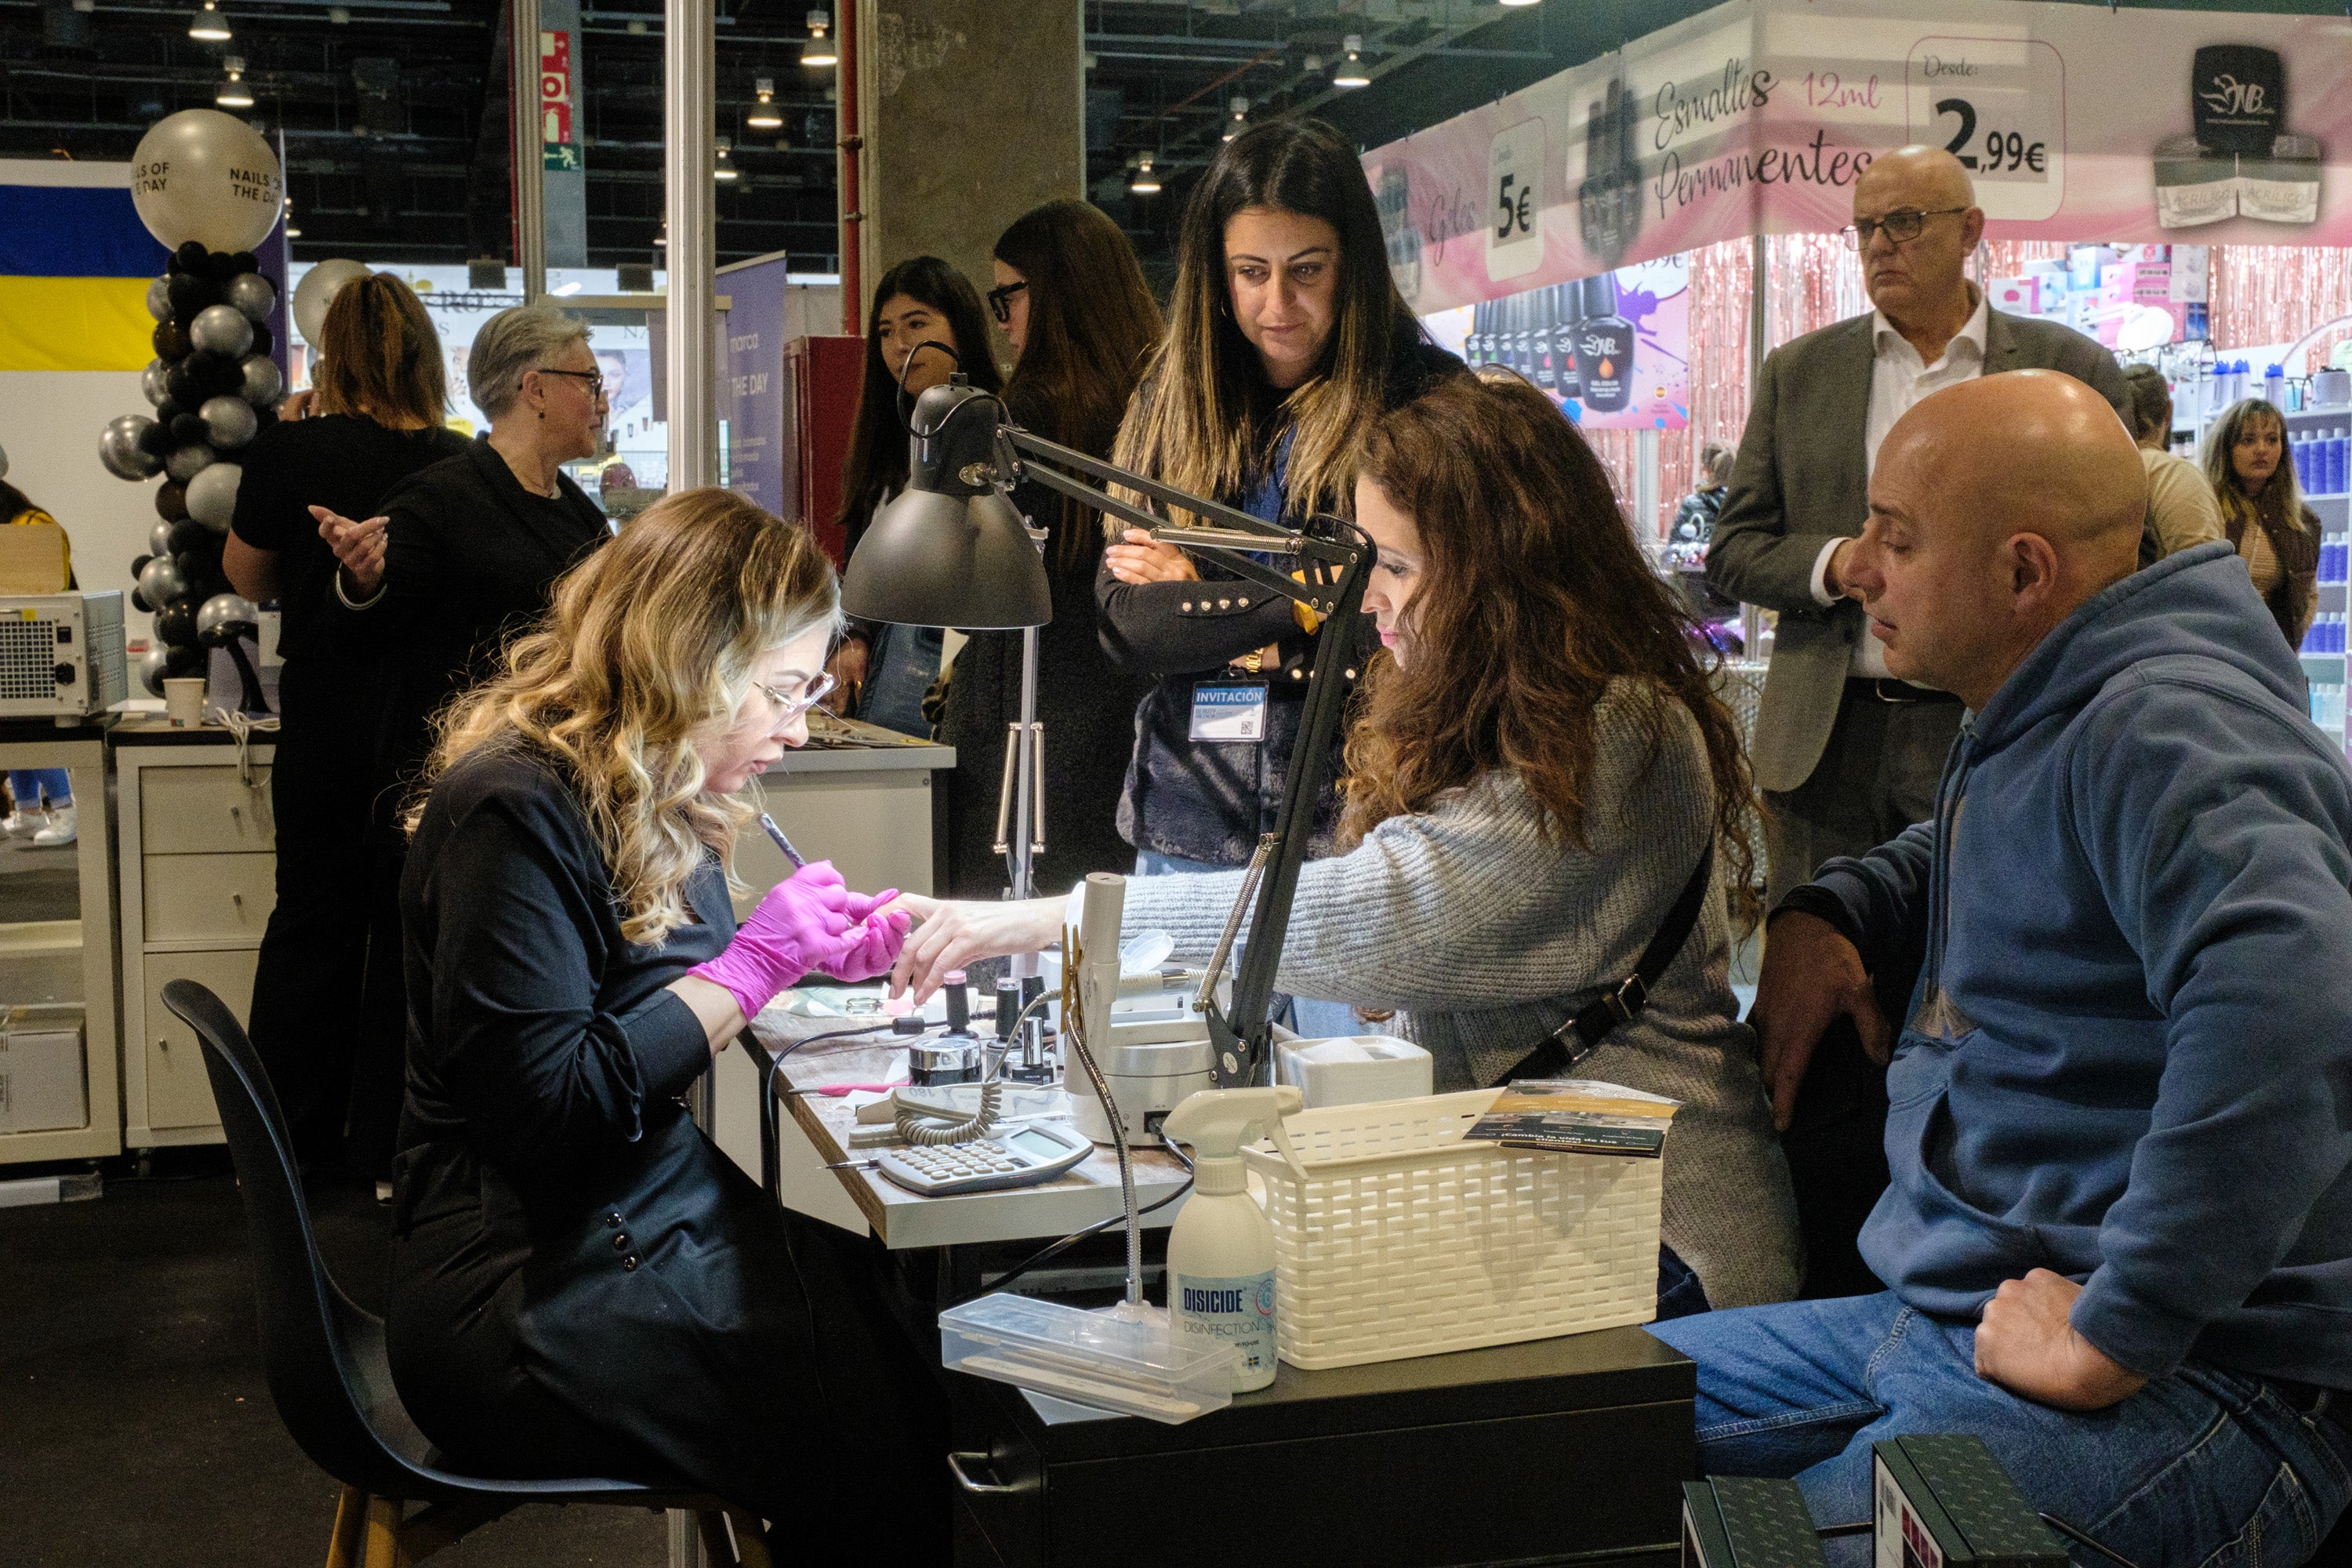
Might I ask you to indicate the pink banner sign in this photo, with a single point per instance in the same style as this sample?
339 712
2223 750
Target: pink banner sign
1756 117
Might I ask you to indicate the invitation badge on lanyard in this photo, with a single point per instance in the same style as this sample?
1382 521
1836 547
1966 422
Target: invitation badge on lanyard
1229 710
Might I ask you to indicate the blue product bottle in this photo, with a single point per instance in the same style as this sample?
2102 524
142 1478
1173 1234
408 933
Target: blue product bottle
2332 482
2274 385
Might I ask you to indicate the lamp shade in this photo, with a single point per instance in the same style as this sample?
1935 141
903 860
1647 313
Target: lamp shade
950 551
934 560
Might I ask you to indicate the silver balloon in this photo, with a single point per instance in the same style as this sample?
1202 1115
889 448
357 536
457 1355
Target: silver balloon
188 462
229 421
265 384
252 294
153 665
158 298
119 449
224 617
222 330
154 381
160 581
159 540
212 495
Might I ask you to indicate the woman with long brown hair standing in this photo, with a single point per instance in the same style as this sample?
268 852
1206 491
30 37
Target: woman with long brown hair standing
1541 774
382 395
2246 462
1074 305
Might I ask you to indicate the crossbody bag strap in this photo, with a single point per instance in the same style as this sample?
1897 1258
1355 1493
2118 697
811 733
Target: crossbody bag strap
1620 1004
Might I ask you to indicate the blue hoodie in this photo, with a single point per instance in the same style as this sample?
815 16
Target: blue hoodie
2129 1058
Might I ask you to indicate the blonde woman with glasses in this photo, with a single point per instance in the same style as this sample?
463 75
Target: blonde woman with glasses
581 1284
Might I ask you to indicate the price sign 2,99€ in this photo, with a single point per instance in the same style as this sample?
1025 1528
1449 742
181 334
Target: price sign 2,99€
1999 105
1515 202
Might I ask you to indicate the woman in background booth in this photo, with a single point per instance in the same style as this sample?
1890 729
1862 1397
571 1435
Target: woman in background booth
2263 513
2180 505
40 800
466 553
881 673
1073 304
1286 339
381 400
1541 773
581 1283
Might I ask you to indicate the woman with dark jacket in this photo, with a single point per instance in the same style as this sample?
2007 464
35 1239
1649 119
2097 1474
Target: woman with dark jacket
382 395
2263 513
466 554
882 672
1080 319
1286 339
581 1283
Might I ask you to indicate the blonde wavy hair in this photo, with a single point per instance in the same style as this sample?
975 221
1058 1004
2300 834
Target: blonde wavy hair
649 649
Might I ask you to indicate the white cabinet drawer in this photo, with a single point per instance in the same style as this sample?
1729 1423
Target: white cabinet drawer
178 1095
203 811
209 898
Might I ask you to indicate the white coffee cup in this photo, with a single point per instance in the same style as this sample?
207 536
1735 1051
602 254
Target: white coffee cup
184 702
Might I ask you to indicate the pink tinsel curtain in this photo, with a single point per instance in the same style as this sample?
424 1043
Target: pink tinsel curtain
2274 294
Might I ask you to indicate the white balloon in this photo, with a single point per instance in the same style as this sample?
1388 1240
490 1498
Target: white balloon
222 330
152 669
264 382
317 291
154 381
212 495
207 176
229 421
158 539
251 293
119 449
224 618
158 298
186 462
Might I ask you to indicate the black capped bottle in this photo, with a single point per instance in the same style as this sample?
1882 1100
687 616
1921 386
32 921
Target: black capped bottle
1604 348
1567 302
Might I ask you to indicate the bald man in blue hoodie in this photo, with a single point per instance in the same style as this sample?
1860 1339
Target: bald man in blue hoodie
2117 1242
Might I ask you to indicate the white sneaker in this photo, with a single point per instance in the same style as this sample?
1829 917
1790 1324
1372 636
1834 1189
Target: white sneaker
59 831
20 822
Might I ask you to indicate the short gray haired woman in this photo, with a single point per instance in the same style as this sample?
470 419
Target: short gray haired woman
466 554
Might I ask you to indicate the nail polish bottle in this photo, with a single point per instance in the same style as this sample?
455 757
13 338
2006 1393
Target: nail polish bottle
1604 348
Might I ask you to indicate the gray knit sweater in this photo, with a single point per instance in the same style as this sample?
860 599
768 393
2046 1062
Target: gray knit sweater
1489 935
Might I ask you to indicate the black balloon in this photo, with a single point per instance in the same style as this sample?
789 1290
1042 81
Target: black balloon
262 342
189 536
176 623
185 658
172 500
188 430
217 376
191 294
156 439
243 262
191 256
222 266
181 385
139 600
171 341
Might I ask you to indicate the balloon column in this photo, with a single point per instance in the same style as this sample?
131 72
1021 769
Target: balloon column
206 185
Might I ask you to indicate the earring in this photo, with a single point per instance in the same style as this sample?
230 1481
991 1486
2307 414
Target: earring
542 414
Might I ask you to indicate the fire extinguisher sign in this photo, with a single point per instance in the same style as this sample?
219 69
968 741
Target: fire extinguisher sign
563 150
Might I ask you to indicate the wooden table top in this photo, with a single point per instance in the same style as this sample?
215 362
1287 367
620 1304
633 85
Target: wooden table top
1078 1198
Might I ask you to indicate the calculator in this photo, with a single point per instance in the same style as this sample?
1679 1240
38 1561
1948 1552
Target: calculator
1015 1158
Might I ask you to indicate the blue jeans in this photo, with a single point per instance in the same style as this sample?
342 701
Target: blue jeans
903 663
2205 1467
28 785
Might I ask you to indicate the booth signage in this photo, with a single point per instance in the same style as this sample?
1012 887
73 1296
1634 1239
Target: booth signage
562 147
1759 116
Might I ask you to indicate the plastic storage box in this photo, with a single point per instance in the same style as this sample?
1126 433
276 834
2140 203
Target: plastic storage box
1129 1365
1395 1237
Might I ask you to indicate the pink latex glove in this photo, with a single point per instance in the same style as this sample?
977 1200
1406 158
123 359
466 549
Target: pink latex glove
800 924
877 949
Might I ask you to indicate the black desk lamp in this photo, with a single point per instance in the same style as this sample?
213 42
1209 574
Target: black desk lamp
952 552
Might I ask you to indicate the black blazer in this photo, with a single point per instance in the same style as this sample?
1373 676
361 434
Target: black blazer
563 1230
471 557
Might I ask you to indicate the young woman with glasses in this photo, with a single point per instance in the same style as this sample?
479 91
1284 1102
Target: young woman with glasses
466 553
884 672
581 1283
1073 304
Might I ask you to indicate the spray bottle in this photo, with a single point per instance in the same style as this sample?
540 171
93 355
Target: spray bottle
1220 1252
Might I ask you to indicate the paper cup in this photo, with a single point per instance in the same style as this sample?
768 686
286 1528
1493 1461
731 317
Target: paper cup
184 702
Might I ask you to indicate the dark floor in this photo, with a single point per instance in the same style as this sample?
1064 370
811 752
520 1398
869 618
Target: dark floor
135 1426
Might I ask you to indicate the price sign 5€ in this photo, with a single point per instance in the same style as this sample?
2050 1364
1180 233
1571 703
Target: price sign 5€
1514 166
1999 104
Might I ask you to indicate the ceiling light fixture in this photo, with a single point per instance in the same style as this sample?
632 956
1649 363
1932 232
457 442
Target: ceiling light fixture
209 26
1351 70
818 51
565 290
723 169
1240 121
234 93
1518 2
1146 183
763 115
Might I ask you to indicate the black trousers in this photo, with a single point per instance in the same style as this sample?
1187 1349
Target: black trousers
306 984
1877 776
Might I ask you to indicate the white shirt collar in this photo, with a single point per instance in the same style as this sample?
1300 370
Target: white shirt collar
1884 334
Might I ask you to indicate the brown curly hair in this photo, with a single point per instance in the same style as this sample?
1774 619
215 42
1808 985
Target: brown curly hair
1534 597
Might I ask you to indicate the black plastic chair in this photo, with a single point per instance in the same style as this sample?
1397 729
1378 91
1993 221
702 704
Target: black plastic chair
327 1367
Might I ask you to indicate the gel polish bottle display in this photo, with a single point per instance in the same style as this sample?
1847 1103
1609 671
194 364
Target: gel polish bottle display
1604 348
1567 299
1528 350
1609 202
1541 338
1473 345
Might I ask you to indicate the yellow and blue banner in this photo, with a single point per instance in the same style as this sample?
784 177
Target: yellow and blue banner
75 264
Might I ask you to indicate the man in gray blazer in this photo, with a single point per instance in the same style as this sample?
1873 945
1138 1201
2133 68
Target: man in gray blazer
1847 755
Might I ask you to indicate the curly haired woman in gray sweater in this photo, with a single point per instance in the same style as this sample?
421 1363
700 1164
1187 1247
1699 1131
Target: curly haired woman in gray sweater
1539 767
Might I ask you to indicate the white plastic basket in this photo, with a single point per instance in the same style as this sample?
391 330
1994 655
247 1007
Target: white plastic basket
1395 1237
